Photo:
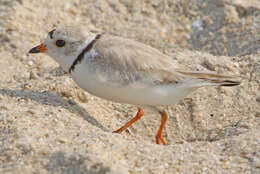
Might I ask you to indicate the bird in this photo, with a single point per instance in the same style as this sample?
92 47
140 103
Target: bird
126 71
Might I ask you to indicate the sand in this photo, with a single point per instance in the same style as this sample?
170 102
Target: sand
49 125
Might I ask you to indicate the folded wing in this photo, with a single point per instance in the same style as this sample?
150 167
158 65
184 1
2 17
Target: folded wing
125 62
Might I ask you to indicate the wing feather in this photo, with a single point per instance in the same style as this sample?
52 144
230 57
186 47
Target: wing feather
125 62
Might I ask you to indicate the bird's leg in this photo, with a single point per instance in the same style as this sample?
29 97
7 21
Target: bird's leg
159 136
139 114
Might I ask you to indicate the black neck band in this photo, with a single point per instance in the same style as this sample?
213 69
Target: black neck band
85 50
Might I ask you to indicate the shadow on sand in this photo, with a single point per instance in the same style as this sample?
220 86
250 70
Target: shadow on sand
53 99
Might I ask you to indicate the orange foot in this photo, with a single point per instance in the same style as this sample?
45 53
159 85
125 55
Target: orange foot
159 136
139 114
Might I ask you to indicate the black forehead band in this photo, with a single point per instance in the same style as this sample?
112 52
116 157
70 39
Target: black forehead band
51 33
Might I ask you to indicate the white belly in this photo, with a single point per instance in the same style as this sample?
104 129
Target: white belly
131 94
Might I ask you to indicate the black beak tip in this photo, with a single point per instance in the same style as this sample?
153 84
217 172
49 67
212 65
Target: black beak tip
34 50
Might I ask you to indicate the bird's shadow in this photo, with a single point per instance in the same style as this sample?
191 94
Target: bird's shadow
75 163
53 99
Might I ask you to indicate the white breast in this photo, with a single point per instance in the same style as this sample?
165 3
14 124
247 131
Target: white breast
97 85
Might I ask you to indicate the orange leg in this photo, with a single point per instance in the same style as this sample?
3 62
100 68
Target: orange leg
159 136
139 114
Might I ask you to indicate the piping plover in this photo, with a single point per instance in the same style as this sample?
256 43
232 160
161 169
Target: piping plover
125 71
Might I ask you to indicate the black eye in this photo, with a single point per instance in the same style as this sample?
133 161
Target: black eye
60 43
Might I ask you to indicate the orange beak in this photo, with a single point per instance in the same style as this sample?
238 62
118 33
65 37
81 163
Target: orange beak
38 49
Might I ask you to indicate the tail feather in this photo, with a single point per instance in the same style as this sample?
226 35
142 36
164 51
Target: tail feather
226 82
213 78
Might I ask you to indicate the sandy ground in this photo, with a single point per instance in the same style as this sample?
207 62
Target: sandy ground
49 125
